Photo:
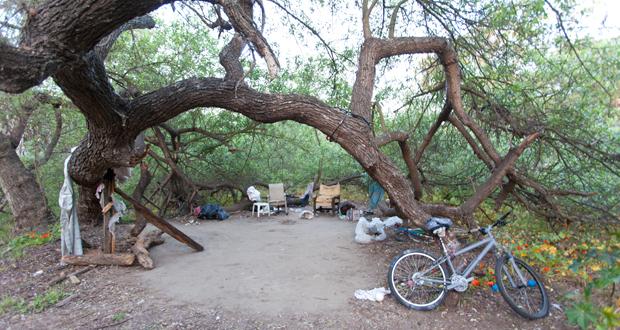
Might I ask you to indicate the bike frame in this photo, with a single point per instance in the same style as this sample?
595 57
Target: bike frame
488 243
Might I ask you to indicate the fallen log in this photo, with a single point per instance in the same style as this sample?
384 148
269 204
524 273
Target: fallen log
143 243
121 259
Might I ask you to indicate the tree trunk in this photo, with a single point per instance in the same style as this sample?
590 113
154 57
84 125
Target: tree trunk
89 210
145 179
20 187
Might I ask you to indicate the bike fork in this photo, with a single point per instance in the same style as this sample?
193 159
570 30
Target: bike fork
520 276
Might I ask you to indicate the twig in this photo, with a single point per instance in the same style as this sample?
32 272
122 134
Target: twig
62 277
114 324
572 47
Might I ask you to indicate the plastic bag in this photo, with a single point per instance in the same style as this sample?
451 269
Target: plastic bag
253 194
376 294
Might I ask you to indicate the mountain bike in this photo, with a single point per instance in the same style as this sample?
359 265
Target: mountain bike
421 281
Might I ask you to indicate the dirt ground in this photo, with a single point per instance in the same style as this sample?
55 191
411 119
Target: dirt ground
274 273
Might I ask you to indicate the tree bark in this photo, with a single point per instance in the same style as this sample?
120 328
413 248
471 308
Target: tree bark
20 187
143 243
145 179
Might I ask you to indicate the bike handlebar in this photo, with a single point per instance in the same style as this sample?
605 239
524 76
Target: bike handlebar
498 223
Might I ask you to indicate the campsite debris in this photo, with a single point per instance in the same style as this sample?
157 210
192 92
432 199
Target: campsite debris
376 294
37 273
366 232
211 211
391 221
305 214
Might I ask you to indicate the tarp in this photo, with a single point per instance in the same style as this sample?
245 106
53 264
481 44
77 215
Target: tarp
375 193
70 240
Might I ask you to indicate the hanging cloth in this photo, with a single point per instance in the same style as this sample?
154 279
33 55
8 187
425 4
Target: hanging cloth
70 240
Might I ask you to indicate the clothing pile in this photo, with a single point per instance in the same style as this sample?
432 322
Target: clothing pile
211 211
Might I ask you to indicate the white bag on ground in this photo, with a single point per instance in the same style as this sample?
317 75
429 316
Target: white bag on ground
361 231
366 232
376 294
391 221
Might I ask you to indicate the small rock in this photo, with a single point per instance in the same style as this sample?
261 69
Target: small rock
73 279
37 273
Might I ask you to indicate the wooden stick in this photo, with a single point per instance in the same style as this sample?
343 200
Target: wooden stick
161 223
123 259
108 181
63 276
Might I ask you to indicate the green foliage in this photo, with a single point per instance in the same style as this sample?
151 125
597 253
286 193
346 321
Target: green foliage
119 316
48 299
38 304
6 227
8 304
18 245
587 312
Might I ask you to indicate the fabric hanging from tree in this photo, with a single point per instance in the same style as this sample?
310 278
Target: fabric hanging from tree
70 239
375 193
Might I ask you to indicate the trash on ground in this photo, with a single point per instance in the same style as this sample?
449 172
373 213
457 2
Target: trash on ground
306 215
211 211
376 294
366 232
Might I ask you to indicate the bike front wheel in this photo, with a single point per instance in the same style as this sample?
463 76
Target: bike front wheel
521 287
416 281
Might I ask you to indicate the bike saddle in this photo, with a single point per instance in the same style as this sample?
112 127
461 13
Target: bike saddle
436 222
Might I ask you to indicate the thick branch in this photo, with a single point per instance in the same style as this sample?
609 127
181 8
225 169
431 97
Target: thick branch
49 149
495 179
240 16
443 116
59 31
103 47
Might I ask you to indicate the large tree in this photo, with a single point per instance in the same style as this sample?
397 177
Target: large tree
69 41
23 194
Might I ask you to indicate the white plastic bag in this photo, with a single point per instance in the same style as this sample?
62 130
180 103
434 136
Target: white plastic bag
253 194
391 221
361 231
376 294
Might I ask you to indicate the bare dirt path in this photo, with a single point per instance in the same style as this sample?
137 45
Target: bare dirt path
271 266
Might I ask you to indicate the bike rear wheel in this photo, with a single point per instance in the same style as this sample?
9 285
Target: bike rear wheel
527 297
416 282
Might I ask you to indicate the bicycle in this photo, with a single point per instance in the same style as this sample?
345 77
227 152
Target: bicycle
420 280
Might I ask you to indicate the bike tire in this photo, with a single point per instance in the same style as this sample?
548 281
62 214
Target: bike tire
505 276
400 280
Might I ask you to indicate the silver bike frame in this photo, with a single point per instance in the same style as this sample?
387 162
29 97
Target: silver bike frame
490 243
